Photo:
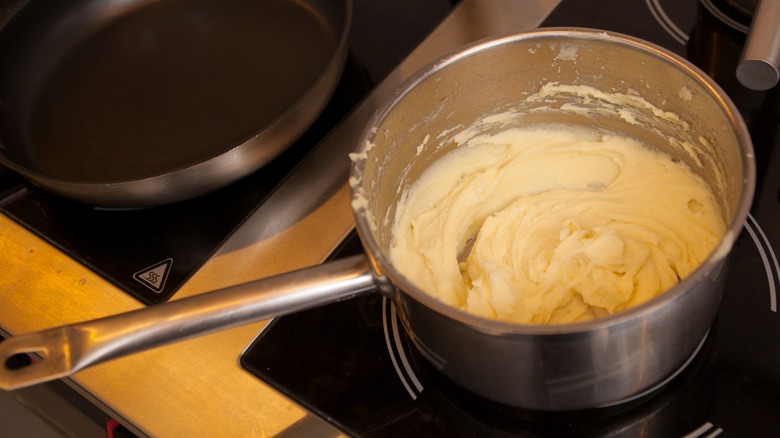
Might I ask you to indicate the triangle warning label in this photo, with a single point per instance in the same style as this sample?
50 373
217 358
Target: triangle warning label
154 276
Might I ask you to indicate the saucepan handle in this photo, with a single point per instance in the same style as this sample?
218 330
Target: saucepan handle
65 350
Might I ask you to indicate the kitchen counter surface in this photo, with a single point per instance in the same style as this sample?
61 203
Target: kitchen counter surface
197 387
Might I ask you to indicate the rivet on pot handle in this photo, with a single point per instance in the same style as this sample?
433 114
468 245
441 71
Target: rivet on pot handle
759 66
67 349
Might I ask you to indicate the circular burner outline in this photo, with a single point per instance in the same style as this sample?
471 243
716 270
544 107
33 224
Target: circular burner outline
666 22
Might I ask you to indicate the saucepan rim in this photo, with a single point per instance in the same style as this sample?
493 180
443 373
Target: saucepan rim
383 267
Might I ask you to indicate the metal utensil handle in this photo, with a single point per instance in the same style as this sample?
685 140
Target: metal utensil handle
70 348
759 66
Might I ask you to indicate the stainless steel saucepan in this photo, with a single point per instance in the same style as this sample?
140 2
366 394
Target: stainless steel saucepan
559 367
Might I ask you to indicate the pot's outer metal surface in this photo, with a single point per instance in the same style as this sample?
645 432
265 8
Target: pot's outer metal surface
143 103
572 366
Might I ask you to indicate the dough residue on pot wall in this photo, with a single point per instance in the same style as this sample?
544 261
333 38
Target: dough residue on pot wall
553 224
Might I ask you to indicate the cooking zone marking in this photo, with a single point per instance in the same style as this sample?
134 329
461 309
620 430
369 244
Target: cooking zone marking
393 338
666 23
750 223
154 276
707 429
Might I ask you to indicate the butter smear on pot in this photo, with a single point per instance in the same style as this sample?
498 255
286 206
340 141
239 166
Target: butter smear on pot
552 224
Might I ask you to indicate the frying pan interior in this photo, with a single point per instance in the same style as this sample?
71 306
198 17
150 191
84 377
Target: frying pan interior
104 92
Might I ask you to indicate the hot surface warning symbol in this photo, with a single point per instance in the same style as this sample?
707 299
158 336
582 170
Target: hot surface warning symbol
154 276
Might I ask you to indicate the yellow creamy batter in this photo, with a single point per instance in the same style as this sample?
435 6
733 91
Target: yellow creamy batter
553 225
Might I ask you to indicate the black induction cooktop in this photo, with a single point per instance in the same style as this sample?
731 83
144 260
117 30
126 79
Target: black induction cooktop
352 364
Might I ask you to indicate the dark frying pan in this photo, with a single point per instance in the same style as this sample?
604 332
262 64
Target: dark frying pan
147 102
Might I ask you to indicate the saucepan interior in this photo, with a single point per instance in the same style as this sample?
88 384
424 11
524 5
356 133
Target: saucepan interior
687 116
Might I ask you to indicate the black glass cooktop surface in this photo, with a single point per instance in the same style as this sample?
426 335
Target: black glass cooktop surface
352 364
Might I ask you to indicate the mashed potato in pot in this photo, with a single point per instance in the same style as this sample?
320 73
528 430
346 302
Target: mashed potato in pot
553 224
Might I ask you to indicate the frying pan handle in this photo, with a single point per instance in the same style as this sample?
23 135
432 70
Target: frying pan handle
759 66
70 348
